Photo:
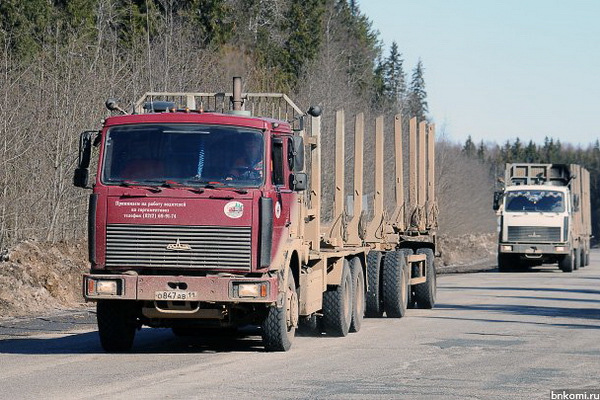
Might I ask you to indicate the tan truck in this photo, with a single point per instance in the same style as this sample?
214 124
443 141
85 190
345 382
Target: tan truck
204 215
544 216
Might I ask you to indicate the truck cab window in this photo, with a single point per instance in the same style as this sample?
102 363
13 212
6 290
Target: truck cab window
188 154
277 154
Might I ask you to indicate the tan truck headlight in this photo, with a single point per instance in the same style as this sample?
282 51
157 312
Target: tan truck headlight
506 247
102 287
106 287
258 289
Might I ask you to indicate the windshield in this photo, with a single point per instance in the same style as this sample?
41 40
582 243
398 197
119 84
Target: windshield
535 200
188 154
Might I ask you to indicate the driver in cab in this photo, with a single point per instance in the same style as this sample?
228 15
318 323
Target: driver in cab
249 165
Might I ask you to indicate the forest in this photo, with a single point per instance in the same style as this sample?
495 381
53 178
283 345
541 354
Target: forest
61 59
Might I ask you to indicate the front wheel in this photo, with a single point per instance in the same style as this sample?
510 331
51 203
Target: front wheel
279 326
117 323
567 263
505 262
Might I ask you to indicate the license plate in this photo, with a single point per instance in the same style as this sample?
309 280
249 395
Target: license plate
175 295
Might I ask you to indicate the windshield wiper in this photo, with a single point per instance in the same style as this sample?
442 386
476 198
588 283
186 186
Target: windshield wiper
141 185
178 185
221 185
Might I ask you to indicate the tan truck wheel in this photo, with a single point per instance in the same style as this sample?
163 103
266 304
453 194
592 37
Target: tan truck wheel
358 287
425 292
395 284
374 299
337 305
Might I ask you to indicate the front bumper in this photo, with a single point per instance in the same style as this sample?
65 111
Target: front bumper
213 288
534 250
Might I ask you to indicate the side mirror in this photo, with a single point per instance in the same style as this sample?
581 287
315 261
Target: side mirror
296 154
497 200
81 177
82 173
299 181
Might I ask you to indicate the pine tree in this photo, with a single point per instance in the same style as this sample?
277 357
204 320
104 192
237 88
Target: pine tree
517 152
211 20
417 103
24 25
469 147
380 100
303 24
481 151
395 78
531 153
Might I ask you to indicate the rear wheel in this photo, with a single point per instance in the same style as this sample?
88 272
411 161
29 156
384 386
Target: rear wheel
117 323
374 299
279 326
412 303
337 305
567 263
395 284
577 260
358 288
425 292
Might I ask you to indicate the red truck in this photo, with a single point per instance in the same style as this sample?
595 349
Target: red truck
200 218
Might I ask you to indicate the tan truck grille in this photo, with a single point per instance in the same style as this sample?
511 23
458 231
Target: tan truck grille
171 246
533 234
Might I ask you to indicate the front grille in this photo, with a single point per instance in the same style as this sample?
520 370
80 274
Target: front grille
210 247
533 234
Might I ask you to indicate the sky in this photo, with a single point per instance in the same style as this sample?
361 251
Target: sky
496 70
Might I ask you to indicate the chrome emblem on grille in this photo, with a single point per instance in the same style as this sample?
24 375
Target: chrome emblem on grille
534 235
178 246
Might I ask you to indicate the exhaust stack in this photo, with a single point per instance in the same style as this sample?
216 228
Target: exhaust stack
237 93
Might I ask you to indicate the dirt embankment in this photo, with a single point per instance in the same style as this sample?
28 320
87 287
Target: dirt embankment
36 277
465 252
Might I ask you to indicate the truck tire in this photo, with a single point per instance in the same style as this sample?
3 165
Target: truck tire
582 259
577 259
412 303
567 263
337 305
374 300
279 326
358 288
424 293
587 258
395 284
505 262
117 323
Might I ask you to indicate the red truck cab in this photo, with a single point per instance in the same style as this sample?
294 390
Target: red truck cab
187 219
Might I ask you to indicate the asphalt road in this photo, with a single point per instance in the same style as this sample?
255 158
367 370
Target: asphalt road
491 336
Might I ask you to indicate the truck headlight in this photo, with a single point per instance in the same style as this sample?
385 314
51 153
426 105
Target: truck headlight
258 289
559 248
103 287
505 247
